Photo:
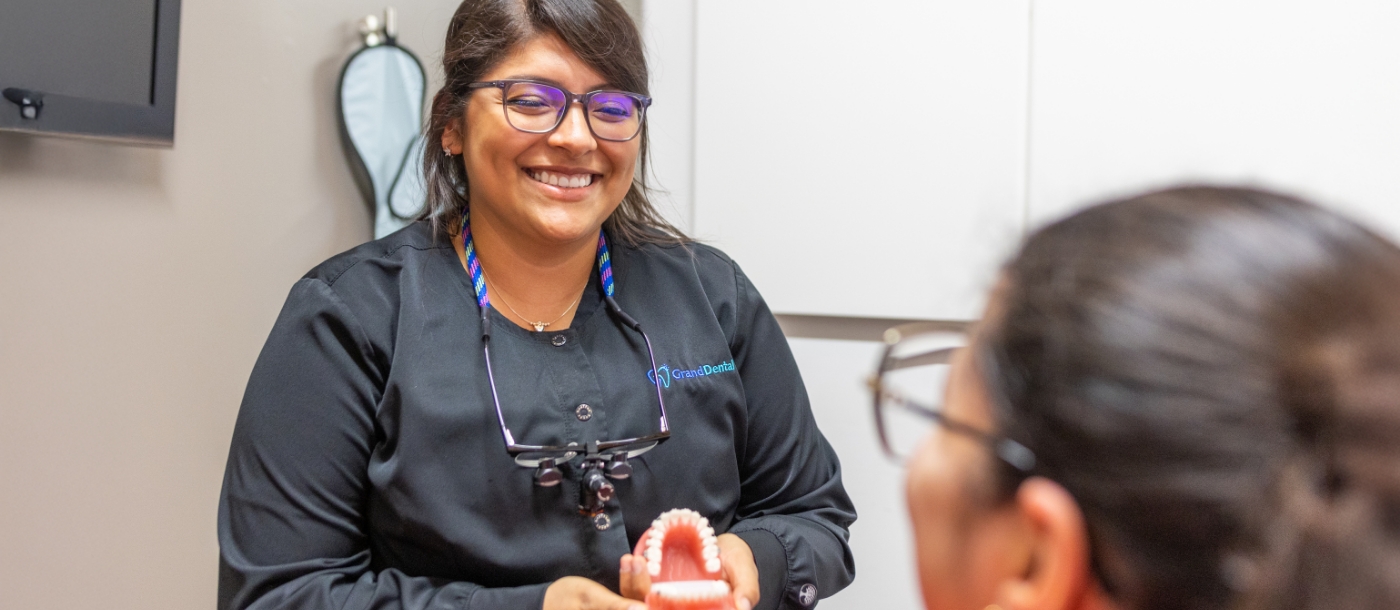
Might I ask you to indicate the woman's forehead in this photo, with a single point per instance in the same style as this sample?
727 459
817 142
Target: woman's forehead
547 59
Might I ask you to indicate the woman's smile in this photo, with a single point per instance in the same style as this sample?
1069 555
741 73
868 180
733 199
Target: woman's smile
564 183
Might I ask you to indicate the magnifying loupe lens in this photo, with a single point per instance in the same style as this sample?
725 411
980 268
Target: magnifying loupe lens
548 476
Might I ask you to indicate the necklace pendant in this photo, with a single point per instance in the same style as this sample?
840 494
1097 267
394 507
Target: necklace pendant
539 326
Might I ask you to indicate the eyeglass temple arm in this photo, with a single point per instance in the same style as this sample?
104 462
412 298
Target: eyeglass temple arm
632 323
1009 450
491 376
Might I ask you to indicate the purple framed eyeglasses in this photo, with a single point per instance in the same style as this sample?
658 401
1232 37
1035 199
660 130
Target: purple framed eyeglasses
536 107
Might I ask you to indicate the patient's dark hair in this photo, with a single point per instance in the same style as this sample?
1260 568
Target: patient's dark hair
1214 375
482 33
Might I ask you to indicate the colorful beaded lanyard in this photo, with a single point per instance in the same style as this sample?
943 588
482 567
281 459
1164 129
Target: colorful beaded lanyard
605 274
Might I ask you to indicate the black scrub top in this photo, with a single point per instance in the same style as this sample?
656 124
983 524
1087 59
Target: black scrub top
367 468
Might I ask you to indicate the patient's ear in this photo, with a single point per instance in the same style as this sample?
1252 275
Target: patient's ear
1057 573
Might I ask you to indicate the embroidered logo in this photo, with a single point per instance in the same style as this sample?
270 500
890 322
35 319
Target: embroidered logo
664 374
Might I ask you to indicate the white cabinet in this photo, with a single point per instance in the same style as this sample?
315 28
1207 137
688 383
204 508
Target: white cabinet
1303 96
668 27
863 159
881 538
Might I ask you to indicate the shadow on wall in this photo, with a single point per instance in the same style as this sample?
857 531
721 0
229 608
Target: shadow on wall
45 160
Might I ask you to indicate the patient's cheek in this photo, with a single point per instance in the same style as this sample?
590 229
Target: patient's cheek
938 511
930 488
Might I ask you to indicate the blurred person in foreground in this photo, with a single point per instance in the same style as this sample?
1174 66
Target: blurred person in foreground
1189 399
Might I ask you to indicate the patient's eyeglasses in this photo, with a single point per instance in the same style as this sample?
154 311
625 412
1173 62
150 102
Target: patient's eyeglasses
535 107
908 391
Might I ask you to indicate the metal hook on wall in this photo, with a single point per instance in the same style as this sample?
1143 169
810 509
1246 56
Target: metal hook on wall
377 31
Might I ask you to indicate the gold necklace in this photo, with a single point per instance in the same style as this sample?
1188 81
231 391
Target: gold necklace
539 326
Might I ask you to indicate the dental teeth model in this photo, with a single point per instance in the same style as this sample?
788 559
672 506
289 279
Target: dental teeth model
682 557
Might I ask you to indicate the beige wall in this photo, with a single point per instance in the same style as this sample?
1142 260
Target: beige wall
137 286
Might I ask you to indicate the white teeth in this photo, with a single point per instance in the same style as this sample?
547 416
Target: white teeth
561 180
692 590
711 553
653 551
653 555
709 544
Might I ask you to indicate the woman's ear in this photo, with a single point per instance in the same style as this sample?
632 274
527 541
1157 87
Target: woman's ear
1057 573
452 138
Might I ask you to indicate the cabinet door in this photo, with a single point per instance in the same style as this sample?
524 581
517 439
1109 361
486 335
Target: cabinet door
866 160
1302 96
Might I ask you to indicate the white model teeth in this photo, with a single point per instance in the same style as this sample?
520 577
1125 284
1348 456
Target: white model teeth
692 590
709 545
653 552
568 181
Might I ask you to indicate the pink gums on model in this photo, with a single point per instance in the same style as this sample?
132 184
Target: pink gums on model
682 557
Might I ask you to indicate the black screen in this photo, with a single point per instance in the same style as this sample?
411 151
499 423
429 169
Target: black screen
101 50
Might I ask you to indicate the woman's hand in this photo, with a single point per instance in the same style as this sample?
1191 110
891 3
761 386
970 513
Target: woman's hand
578 593
736 561
737 567
633 581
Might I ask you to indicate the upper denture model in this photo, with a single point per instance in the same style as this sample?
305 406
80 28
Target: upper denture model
682 557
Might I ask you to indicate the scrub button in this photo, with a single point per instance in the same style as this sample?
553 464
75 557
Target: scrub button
601 522
559 340
584 412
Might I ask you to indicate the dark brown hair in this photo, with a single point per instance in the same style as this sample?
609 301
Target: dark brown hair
481 35
1214 375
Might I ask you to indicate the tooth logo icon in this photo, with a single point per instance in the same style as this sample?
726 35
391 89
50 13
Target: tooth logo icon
661 375
807 594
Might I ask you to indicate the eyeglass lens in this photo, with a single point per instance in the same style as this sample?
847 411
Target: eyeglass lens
917 374
532 459
539 108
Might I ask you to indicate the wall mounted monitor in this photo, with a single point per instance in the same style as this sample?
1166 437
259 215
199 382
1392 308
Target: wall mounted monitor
90 68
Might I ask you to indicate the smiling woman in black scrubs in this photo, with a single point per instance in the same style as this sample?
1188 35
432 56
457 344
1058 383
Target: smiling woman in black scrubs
445 418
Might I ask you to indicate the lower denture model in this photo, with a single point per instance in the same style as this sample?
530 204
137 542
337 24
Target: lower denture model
682 557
